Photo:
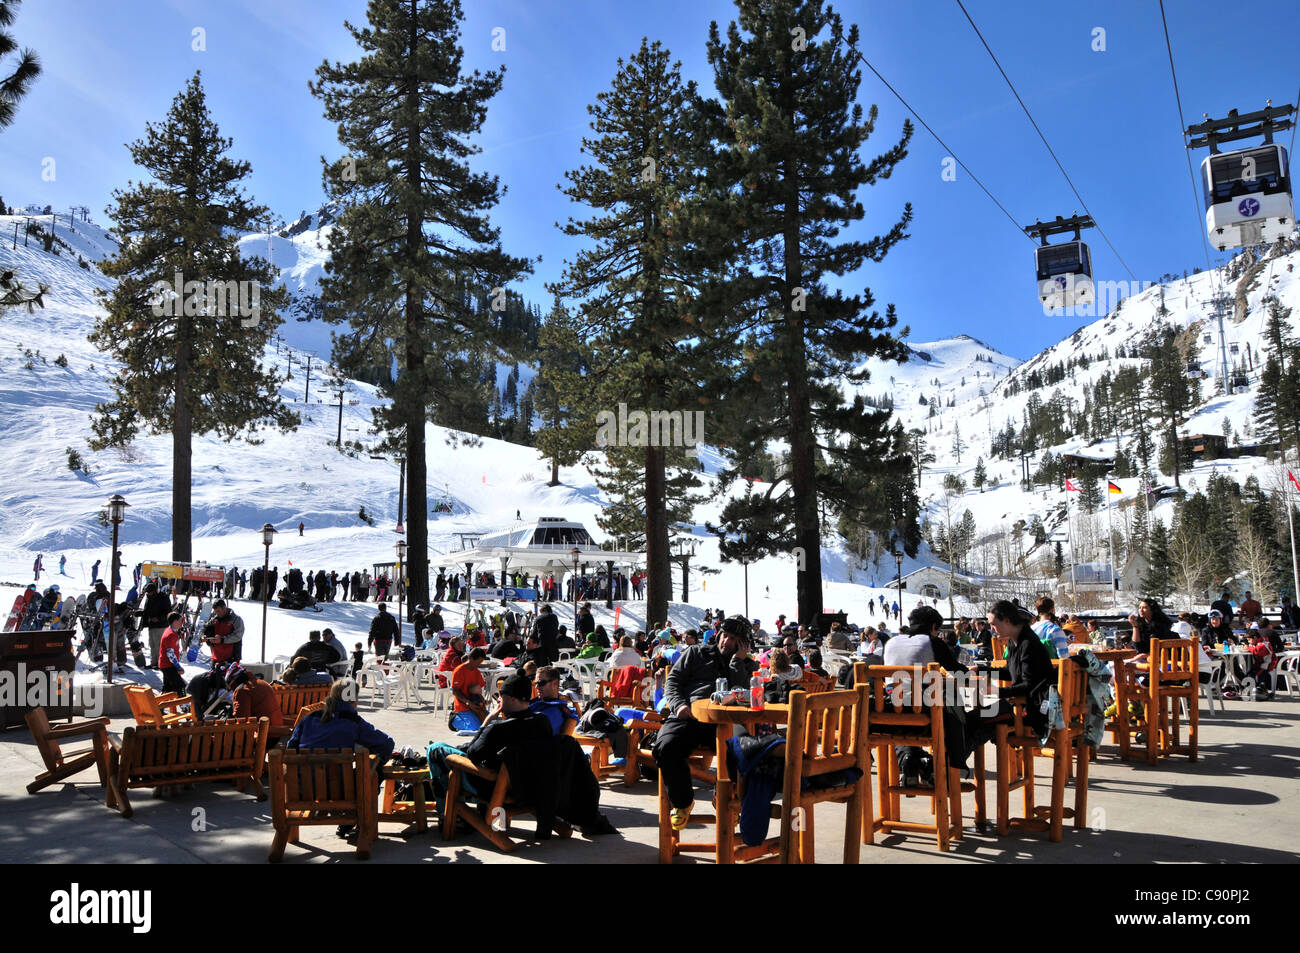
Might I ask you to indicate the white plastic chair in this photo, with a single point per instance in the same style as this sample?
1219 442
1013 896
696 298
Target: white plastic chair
1212 690
381 681
1288 674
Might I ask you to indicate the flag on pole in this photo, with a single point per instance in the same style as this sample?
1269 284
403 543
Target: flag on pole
1112 488
1294 482
1070 486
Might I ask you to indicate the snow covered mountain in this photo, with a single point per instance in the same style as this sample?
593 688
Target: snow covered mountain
52 379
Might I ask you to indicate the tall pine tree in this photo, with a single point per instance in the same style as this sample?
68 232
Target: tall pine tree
413 231
636 293
191 356
783 185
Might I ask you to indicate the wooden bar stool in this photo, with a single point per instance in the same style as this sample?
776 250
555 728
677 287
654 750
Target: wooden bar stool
828 733
1172 680
1125 725
908 724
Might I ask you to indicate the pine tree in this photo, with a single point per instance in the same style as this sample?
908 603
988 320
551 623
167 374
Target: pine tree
1158 579
1171 392
13 87
784 184
191 356
566 433
1277 401
638 316
412 247
981 475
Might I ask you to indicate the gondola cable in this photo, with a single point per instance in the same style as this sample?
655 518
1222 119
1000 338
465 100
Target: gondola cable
1050 151
1182 126
936 136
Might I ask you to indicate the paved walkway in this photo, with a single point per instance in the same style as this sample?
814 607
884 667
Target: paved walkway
1238 803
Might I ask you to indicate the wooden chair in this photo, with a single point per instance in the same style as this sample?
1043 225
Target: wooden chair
152 757
323 786
292 699
1000 643
1018 745
60 764
1172 679
913 725
702 768
828 732
499 805
1125 725
149 708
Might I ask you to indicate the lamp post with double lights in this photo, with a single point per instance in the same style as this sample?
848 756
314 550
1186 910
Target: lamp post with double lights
116 514
268 536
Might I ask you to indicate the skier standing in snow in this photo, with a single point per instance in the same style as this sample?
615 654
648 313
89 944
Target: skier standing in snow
94 572
345 581
155 612
37 567
243 583
63 561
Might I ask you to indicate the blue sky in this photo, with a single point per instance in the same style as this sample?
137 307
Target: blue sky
1110 116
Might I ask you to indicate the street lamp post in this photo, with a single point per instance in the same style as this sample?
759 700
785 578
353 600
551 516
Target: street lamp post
116 514
268 535
898 558
575 552
397 581
609 575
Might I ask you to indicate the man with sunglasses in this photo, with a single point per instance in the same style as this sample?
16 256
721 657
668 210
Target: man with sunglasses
694 676
548 701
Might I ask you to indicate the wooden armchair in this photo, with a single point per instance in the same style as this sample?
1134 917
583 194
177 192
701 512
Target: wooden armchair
499 806
1173 679
320 786
149 708
292 699
60 764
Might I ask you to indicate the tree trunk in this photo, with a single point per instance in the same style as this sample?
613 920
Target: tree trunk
182 451
417 467
555 472
803 473
659 583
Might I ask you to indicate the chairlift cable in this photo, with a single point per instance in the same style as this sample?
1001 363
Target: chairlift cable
1050 151
936 136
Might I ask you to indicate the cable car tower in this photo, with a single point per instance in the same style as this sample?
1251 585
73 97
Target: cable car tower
1065 269
1248 192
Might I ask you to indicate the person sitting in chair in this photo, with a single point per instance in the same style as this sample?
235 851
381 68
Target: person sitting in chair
538 760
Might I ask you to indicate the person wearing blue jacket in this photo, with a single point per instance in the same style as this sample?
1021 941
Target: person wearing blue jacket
338 725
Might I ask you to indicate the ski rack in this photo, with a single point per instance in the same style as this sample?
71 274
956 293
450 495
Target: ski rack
1229 129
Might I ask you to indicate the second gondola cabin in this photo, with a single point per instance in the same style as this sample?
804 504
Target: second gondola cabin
1064 275
1248 197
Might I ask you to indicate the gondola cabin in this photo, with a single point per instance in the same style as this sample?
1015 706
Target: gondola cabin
1064 275
1248 197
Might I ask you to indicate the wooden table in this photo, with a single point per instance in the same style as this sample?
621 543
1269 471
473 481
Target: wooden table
725 718
415 812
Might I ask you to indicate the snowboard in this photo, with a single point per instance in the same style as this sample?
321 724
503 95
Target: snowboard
17 612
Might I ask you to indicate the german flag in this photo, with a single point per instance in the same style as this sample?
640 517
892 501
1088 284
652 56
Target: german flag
1112 488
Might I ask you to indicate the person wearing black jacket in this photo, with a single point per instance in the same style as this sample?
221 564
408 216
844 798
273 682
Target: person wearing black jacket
1290 614
1152 624
383 629
434 623
154 614
316 652
547 629
694 676
1223 607
586 622
1028 669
